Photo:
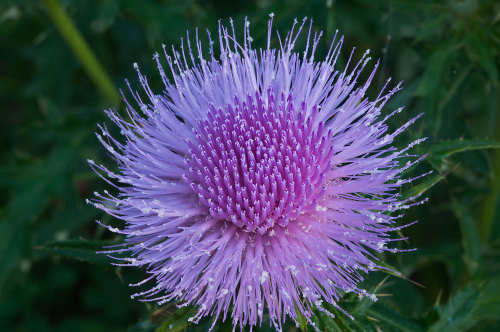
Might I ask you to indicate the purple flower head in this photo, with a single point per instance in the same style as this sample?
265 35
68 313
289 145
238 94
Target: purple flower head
258 181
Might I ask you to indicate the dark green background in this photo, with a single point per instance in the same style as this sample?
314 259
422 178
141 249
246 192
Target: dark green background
446 52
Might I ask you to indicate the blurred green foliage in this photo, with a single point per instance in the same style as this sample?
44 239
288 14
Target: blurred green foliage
446 52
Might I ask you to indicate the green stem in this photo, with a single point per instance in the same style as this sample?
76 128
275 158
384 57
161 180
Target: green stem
82 51
490 203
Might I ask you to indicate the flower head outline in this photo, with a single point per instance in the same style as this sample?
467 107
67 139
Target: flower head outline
257 182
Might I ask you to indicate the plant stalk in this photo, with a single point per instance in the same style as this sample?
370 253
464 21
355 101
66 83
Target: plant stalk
488 211
82 51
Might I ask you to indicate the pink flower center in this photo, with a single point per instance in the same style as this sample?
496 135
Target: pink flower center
258 163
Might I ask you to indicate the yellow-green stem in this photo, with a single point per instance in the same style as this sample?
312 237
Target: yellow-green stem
488 210
82 51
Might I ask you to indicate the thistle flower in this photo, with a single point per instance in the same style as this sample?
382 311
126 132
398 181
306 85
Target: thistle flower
259 181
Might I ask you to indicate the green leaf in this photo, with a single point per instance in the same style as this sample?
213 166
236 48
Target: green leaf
431 85
430 28
79 249
366 302
178 320
423 186
35 185
393 320
469 306
301 319
482 51
451 93
14 229
470 235
443 150
435 66
488 301
456 314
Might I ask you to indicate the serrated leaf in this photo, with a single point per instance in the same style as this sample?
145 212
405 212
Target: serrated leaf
469 306
79 249
456 314
443 150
